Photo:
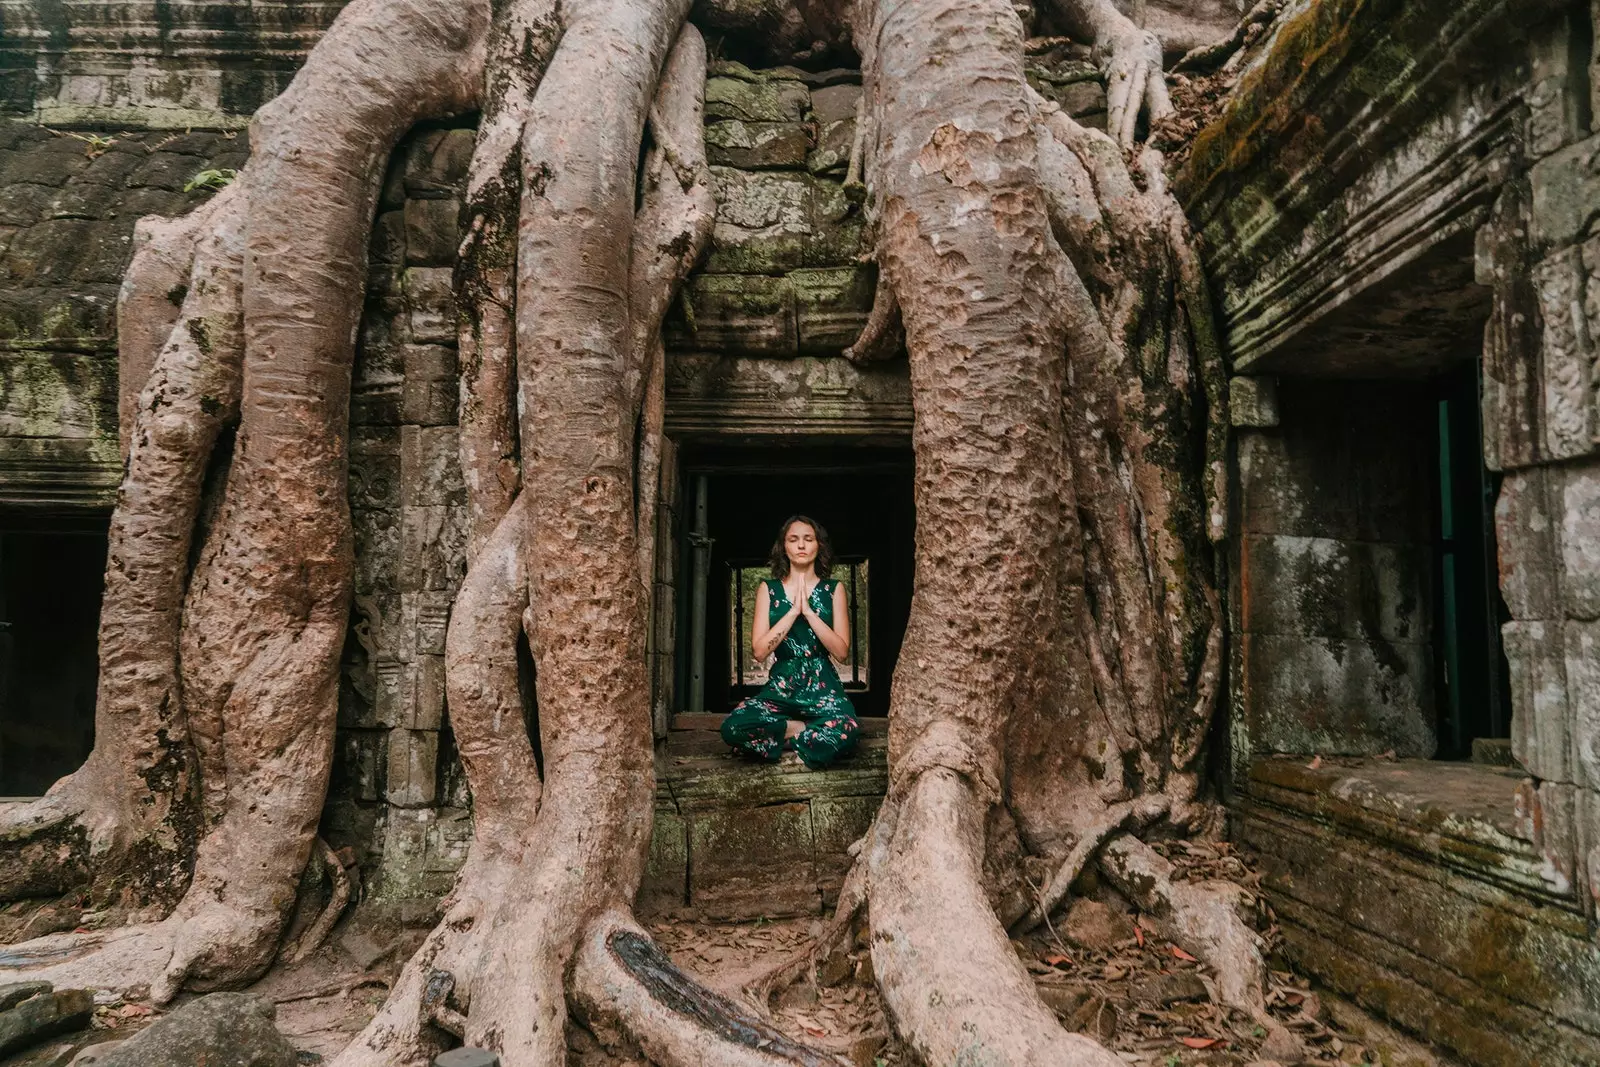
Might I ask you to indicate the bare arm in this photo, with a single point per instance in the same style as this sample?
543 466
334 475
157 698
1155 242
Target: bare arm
835 638
764 637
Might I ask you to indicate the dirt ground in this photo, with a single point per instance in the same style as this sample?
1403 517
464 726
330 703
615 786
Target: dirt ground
1098 965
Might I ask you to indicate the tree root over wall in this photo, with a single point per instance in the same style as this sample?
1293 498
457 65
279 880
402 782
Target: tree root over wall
1063 656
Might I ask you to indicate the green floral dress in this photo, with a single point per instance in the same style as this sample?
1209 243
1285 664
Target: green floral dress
801 685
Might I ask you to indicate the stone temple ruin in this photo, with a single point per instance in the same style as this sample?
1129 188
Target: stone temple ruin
1401 213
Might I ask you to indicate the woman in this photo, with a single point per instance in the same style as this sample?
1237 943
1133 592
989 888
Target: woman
801 614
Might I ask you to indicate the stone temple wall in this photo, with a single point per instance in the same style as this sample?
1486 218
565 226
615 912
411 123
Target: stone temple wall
67 208
1540 254
1419 191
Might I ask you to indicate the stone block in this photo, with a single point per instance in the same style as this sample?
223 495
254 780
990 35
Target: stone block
747 313
1558 834
392 687
759 100
1583 690
430 466
385 285
835 141
745 863
466 1057
1589 254
839 232
1566 193
666 876
666 618
375 470
64 251
1493 752
430 301
380 344
429 401
413 767
376 405
764 220
436 163
1323 587
757 145
24 204
364 756
426 706
217 1030
84 201
1525 536
405 851
388 244
430 361
165 170
1338 696
836 824
377 537
1540 712
433 232
1253 401
835 103
425 615
1580 540
49 164
1568 354
432 548
831 307
1557 58
448 840
111 169
1428 952
1512 389
140 202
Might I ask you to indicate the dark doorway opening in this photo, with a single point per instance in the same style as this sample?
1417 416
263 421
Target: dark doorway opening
1473 685
51 577
733 503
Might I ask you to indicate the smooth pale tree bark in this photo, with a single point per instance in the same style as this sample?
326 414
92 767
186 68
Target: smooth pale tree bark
1062 659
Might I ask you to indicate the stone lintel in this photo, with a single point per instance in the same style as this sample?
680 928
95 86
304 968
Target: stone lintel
724 398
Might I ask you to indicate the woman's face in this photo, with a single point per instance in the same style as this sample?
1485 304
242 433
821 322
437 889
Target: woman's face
800 544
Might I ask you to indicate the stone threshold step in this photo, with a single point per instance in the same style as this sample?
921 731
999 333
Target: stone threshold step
871 725
1462 816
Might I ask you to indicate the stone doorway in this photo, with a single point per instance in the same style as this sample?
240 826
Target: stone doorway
1368 603
51 576
734 501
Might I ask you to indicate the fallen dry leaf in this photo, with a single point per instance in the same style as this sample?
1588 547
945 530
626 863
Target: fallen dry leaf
1182 955
1201 1042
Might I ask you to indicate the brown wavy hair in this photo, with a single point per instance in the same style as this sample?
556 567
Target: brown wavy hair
779 559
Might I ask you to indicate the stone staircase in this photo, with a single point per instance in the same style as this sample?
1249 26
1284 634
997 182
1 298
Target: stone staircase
737 839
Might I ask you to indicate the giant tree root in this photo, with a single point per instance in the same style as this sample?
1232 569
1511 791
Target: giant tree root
117 816
629 994
493 972
1204 917
951 981
1126 815
263 617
